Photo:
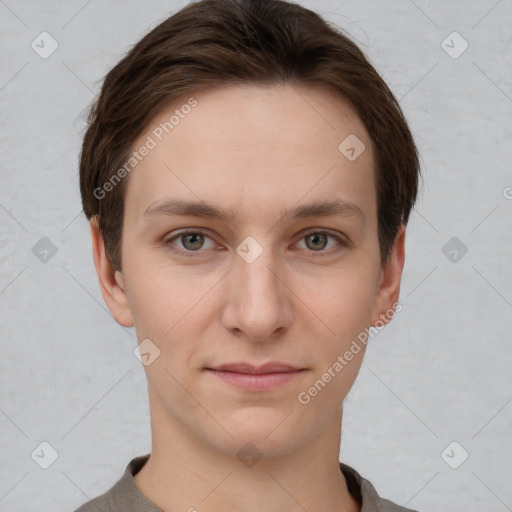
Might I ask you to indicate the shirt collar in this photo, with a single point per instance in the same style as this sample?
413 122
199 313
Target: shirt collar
360 488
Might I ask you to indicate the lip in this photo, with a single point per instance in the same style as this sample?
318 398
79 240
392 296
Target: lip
270 367
256 378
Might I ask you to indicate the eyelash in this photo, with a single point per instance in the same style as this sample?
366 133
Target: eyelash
188 253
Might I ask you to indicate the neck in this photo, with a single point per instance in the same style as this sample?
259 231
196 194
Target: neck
184 473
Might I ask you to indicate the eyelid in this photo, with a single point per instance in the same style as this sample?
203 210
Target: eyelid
167 240
341 238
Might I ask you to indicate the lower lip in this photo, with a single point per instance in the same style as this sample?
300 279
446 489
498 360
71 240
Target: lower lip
255 382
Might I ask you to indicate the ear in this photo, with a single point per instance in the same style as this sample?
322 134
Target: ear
111 282
388 289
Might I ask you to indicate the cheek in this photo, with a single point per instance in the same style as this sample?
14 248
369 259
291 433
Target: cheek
344 313
342 302
343 306
171 308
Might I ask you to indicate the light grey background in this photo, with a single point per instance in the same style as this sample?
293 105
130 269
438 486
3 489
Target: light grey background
440 372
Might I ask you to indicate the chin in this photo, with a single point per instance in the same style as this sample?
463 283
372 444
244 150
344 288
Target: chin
265 431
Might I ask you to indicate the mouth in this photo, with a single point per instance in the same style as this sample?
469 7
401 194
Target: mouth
256 378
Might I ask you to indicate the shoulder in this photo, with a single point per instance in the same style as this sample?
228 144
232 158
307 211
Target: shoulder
107 502
390 506
366 494
123 496
94 505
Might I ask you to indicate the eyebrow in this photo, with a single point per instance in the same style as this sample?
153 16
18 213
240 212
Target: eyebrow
177 207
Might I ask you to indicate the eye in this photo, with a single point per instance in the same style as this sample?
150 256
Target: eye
317 241
191 240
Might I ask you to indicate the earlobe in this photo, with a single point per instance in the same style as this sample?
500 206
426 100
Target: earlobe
111 281
388 291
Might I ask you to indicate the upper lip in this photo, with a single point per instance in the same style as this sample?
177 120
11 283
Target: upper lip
271 367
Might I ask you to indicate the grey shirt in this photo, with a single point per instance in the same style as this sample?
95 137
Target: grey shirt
125 496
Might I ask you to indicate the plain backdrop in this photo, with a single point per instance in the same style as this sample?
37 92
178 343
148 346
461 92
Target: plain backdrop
429 418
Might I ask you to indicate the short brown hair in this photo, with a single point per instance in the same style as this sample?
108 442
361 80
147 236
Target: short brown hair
215 42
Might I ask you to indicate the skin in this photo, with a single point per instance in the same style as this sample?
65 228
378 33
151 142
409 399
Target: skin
255 150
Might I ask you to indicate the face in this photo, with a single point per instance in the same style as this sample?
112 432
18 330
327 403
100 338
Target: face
287 272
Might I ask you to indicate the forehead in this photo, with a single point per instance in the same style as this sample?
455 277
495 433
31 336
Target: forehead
249 147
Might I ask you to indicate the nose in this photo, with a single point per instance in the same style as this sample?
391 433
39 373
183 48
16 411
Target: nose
259 301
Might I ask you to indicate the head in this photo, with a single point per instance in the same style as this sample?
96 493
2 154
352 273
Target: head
261 113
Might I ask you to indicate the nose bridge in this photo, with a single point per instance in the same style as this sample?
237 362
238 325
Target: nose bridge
257 304
256 267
